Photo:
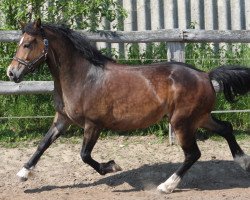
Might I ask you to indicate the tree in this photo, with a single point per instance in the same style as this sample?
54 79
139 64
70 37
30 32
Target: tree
80 14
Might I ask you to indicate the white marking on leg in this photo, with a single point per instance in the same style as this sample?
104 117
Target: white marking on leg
243 161
170 184
24 173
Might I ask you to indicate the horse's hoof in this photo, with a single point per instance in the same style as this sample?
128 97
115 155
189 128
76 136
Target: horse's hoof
243 161
163 189
23 174
109 167
114 166
170 184
23 179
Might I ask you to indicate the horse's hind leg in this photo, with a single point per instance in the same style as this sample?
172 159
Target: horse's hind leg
225 130
192 154
58 126
91 135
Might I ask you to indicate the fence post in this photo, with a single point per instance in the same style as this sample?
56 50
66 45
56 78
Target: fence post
175 52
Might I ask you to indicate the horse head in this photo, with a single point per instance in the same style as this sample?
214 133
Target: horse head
32 51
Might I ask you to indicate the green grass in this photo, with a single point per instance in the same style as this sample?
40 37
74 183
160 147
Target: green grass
74 135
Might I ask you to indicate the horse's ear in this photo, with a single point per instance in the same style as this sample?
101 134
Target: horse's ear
37 24
22 24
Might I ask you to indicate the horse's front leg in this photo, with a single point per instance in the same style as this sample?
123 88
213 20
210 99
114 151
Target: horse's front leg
60 124
91 135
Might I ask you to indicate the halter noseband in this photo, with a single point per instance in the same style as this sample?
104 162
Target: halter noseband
31 64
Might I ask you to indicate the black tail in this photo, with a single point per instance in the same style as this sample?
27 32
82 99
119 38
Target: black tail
233 80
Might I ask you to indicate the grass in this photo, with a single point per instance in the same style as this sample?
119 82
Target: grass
11 139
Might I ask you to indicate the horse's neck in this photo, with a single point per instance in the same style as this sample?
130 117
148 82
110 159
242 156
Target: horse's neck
67 66
53 63
64 62
58 65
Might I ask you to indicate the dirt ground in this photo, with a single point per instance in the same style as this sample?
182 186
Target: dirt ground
146 162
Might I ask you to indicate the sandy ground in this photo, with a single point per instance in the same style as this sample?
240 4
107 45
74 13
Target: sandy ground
146 162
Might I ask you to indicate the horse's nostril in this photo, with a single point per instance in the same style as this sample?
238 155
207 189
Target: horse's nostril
11 74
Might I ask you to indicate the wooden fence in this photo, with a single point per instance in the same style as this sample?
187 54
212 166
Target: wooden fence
162 35
170 14
181 14
176 39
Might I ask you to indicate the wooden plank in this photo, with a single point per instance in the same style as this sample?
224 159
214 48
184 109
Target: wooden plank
26 87
136 36
9 36
222 15
163 35
127 23
228 36
169 16
113 36
141 17
247 14
176 52
182 21
195 13
155 15
209 15
235 14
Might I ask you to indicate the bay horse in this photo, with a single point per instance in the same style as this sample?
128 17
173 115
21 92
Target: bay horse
96 93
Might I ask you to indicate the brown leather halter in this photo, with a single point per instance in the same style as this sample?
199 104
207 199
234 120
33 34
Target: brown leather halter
31 64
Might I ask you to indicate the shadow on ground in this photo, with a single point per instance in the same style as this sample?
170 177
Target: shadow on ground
204 175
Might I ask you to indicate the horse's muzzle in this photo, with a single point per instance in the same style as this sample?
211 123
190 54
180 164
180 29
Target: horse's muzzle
14 75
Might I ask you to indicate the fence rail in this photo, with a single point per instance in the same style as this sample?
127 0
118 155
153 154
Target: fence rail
26 87
162 35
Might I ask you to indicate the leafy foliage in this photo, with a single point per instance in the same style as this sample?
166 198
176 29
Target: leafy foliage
80 14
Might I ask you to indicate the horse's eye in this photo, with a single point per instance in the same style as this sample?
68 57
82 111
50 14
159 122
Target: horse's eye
27 45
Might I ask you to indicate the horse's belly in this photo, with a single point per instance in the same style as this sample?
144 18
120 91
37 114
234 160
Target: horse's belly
135 119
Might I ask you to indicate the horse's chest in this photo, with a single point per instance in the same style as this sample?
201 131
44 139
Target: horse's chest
73 109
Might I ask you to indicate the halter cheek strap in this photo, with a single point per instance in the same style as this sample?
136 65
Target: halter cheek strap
42 57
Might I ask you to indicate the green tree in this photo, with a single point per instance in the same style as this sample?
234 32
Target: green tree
80 14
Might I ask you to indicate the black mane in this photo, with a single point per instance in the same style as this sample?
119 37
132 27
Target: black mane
80 42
